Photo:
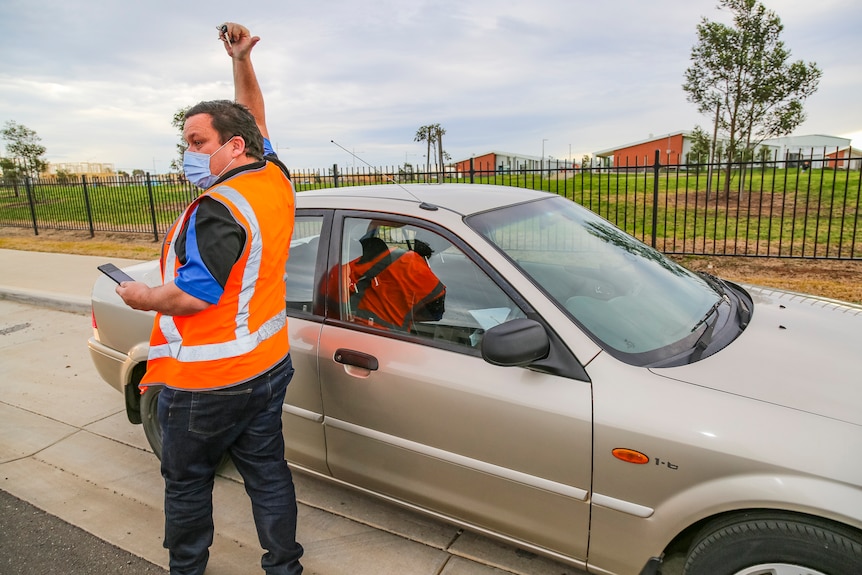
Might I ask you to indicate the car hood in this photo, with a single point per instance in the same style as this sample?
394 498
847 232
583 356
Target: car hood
798 351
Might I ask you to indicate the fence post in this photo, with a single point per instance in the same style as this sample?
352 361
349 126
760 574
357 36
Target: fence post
335 175
472 172
655 176
87 205
29 189
152 208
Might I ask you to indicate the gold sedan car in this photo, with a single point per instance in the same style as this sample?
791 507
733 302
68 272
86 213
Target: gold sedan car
510 361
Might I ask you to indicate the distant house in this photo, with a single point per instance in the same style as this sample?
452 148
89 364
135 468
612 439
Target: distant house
812 148
846 158
89 169
498 162
674 148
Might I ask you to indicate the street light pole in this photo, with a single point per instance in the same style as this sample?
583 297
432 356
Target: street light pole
542 165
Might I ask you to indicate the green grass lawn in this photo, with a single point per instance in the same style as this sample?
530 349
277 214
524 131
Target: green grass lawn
768 211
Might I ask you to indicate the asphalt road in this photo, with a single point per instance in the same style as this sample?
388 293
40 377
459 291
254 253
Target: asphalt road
35 543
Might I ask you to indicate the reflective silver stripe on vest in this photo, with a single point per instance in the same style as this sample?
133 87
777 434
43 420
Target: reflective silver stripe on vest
245 340
210 351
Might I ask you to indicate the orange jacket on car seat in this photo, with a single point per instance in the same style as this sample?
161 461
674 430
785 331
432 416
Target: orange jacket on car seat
393 289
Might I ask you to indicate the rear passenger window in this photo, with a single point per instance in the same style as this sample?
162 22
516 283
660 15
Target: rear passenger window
405 278
301 262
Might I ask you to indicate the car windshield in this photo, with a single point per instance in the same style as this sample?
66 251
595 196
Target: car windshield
635 302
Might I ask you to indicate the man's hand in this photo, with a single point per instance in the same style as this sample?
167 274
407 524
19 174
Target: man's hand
135 294
237 40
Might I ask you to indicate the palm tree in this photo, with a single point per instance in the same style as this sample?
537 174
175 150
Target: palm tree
431 134
439 131
423 134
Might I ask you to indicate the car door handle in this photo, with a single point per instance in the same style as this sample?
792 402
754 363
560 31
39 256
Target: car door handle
356 358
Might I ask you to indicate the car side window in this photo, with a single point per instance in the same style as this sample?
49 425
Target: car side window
301 262
408 279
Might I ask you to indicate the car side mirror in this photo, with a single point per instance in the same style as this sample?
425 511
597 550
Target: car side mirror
516 343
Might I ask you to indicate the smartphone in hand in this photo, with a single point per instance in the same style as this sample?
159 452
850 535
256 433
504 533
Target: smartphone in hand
115 273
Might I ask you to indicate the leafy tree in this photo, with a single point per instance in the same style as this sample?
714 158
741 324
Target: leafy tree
742 75
25 151
764 154
138 173
9 169
177 122
64 176
405 172
700 144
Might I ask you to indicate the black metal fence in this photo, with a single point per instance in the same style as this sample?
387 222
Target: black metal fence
772 208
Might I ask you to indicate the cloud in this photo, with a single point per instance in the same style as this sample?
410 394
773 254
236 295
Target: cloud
100 80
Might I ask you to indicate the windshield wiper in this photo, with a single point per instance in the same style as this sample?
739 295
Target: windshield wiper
743 312
710 311
714 282
706 337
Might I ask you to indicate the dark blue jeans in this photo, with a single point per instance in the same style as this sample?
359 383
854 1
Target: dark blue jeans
198 429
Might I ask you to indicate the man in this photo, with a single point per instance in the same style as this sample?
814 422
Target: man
219 345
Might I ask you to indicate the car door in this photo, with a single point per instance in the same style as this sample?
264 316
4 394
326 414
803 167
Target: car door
414 412
302 413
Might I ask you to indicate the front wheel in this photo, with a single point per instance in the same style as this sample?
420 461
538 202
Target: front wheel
767 543
150 418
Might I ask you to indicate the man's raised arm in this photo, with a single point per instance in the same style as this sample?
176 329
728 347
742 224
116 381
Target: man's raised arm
239 42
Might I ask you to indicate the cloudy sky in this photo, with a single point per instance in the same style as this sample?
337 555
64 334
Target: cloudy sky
99 80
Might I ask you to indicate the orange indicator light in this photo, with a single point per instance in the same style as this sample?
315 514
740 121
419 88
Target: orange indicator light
630 456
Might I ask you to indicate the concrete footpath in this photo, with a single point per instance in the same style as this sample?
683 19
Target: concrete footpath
83 492
57 281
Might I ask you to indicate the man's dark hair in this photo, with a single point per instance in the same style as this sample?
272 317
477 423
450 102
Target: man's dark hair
232 119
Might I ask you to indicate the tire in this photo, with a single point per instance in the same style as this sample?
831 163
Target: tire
150 421
775 543
150 418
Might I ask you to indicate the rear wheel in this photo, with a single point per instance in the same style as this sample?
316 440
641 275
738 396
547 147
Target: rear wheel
766 543
150 418
150 421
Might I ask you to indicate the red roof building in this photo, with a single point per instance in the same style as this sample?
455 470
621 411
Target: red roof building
672 149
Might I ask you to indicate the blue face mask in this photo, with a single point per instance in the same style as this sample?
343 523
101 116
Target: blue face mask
196 167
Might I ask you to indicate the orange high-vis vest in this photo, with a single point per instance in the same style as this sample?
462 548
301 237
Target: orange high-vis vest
245 333
397 294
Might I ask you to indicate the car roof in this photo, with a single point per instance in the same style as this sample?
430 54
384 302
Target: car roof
464 199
